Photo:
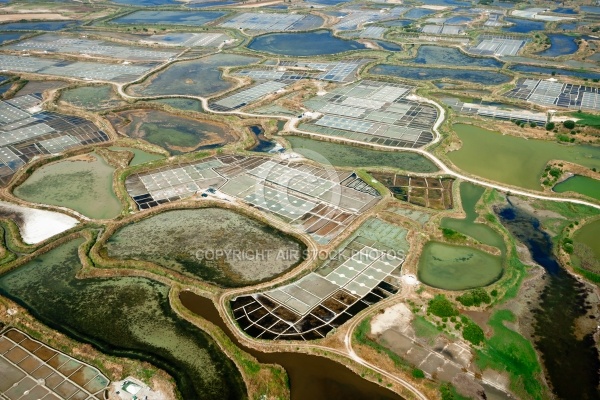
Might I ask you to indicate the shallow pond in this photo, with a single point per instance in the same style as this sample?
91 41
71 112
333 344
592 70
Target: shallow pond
82 183
590 9
523 25
5 37
417 13
389 46
397 22
438 55
192 18
329 2
181 104
560 45
451 267
92 97
311 377
37 26
189 241
263 144
557 71
177 135
514 160
571 361
147 2
580 184
341 155
447 3
126 317
303 44
139 156
5 88
470 195
588 235
419 73
194 78
564 10
458 20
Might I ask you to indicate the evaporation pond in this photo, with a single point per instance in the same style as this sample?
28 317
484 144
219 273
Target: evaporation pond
580 184
194 78
452 267
187 240
349 156
436 55
459 74
514 160
192 18
82 183
303 44
92 97
177 135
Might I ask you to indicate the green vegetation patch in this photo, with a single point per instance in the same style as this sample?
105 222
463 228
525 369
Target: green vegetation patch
471 331
424 329
474 297
451 234
586 119
441 307
508 351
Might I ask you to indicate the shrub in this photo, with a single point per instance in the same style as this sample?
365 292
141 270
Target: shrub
441 306
555 172
473 333
550 126
532 124
494 293
474 298
418 373
569 124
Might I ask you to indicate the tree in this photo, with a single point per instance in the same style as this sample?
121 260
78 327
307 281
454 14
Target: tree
569 124
441 306
550 126
473 333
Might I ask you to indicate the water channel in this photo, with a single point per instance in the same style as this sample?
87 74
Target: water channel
571 363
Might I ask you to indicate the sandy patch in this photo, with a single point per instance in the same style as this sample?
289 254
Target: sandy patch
38 225
263 4
395 316
20 16
432 7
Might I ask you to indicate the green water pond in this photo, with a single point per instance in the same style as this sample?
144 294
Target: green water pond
82 185
470 195
123 316
92 97
514 160
580 184
451 267
589 235
139 156
181 103
349 156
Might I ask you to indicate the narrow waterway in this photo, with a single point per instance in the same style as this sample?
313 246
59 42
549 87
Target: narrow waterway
571 364
311 377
